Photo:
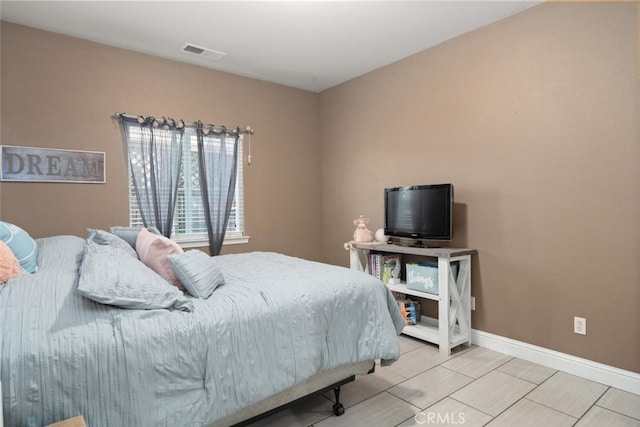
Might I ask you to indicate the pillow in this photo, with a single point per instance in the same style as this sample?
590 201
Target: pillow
153 251
104 238
129 234
9 264
108 275
197 271
22 245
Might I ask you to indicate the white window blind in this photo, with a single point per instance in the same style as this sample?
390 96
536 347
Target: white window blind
189 227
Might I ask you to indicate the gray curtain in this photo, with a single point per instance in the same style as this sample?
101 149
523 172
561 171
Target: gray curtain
154 149
217 160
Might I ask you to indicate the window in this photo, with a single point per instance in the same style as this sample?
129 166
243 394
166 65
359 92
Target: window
189 228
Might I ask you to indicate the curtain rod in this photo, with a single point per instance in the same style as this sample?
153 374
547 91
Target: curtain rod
248 130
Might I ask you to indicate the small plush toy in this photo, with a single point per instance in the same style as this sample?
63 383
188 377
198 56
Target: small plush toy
362 233
9 265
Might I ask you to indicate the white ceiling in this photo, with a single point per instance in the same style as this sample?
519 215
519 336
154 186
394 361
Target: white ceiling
311 45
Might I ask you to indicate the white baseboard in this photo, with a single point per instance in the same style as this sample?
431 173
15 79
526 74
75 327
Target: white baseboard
594 371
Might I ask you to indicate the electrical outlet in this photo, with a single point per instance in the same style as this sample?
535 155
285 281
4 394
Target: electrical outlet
473 303
580 325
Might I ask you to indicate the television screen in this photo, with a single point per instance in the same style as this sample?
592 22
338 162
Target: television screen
419 212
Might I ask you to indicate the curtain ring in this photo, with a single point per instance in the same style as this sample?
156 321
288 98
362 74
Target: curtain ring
141 119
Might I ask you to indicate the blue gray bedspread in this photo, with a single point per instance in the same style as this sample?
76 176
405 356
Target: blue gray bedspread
276 321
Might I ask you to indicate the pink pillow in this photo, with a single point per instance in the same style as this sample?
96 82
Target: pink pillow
153 250
9 264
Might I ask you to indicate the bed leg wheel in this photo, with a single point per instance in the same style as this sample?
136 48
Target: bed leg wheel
338 409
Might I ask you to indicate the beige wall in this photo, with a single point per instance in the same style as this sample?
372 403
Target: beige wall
61 92
535 121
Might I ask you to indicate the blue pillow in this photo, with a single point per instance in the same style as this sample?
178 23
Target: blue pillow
105 238
130 234
197 272
21 244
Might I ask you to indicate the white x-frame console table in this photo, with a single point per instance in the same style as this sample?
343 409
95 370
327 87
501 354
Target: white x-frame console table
453 325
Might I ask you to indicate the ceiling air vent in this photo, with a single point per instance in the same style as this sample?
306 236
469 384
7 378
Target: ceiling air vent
202 51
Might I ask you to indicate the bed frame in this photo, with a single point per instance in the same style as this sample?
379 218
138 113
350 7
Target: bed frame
319 383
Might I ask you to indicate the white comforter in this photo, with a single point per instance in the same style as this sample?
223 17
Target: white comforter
275 322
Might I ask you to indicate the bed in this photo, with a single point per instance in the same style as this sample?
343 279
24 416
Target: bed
278 328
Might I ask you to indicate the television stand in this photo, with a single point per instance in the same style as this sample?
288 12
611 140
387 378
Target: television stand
453 325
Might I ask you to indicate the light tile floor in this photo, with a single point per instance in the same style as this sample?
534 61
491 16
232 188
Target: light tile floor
472 387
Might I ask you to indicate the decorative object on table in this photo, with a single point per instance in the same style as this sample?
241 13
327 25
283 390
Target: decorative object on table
390 266
394 264
380 236
362 233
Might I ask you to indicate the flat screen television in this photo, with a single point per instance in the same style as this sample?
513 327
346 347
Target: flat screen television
419 212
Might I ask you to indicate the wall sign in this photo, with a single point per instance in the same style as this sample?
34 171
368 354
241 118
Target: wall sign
52 165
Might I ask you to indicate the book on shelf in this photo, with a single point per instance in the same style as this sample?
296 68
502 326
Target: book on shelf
382 265
410 311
